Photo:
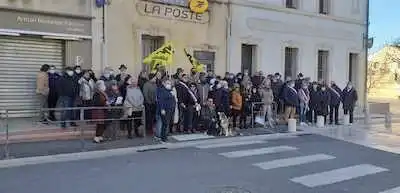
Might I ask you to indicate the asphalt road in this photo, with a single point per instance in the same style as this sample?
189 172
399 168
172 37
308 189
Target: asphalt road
305 164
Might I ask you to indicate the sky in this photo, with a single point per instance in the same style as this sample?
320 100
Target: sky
384 22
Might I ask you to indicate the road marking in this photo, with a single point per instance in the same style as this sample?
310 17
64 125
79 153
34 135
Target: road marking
189 137
231 144
260 151
338 175
393 190
294 161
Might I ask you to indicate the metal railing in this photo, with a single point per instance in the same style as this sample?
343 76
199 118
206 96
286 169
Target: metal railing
82 120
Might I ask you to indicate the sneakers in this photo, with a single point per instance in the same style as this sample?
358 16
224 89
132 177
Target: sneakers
303 124
98 139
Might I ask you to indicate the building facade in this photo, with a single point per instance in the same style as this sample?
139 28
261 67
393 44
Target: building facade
33 33
323 39
136 28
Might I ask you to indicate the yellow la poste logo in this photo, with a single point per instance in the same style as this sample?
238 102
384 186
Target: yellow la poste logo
198 6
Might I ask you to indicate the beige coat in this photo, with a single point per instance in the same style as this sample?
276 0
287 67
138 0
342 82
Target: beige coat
267 96
42 83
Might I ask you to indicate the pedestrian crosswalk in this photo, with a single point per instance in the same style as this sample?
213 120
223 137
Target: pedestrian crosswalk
258 149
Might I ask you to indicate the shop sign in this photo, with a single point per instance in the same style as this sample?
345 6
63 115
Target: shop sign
171 12
44 23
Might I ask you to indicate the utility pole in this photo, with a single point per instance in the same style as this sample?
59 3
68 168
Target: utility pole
366 47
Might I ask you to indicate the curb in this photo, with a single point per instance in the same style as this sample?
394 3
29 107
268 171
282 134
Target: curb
134 150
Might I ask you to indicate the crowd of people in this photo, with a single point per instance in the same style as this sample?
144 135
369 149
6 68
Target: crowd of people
187 103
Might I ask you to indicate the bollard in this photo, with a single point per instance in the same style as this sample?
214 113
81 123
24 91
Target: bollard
292 125
388 121
82 119
320 121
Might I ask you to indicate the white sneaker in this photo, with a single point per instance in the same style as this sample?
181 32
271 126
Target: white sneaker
96 139
303 124
101 138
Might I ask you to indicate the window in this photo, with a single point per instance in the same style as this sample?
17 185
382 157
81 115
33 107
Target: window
149 45
292 4
323 58
353 61
324 6
291 55
207 58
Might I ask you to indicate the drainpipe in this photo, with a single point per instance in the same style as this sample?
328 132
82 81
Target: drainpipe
366 45
105 35
228 37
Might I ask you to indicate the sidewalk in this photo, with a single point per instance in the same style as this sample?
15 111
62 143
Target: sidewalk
372 135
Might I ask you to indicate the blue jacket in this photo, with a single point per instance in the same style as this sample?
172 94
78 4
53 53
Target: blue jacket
291 97
165 100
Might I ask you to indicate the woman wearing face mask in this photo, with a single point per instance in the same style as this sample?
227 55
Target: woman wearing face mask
324 99
349 98
99 100
165 107
134 106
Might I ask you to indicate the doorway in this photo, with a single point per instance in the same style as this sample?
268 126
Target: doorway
353 61
149 45
248 58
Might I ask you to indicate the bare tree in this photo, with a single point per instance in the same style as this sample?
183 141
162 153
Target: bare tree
394 53
377 70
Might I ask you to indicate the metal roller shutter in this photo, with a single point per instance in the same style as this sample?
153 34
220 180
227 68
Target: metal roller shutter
20 61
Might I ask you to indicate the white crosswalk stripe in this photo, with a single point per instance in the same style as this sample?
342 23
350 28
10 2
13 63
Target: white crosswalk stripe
393 190
293 161
231 144
338 175
259 151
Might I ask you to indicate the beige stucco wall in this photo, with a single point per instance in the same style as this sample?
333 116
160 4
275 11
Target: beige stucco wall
126 25
73 7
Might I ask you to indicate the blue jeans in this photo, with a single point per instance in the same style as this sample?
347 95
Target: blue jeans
303 113
159 125
67 115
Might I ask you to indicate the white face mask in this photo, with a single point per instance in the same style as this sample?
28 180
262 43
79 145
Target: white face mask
70 73
315 86
219 85
78 71
129 82
107 75
52 71
291 85
246 73
323 88
111 72
102 88
349 86
168 86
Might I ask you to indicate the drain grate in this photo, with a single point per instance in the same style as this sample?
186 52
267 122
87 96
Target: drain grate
152 149
229 189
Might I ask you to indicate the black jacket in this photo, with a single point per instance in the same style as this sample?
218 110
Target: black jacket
67 86
349 98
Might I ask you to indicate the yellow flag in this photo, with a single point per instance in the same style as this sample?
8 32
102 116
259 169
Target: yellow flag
161 57
196 64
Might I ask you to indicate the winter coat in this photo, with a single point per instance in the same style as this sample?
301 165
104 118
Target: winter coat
68 87
114 113
185 95
208 113
133 100
349 98
165 100
141 82
267 96
149 92
290 97
336 95
304 96
42 83
99 100
256 99
86 89
176 112
237 102
276 89
323 99
313 98
53 82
